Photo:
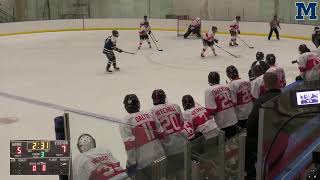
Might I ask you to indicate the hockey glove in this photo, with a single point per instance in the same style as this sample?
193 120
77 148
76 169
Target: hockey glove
131 170
149 32
238 31
299 78
120 50
216 40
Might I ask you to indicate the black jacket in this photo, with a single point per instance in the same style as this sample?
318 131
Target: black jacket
316 39
253 120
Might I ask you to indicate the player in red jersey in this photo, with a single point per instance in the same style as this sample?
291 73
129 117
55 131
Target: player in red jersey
271 60
234 31
143 34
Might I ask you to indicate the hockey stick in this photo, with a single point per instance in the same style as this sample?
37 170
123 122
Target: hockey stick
151 34
251 47
236 56
155 44
128 52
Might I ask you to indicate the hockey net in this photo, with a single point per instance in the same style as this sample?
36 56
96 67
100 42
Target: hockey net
183 22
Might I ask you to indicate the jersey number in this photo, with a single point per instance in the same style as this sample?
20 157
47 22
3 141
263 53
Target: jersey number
224 102
149 131
171 123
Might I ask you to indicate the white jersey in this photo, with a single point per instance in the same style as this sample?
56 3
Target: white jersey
257 87
97 164
307 61
200 120
209 36
218 103
196 23
141 135
241 97
280 74
188 130
235 25
171 119
144 30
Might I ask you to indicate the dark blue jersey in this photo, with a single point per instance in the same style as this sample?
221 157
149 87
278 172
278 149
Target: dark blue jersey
110 44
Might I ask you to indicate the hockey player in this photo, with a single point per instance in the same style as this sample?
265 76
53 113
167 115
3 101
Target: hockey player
257 85
145 19
316 37
109 46
219 104
208 40
199 118
194 28
241 95
95 163
259 60
271 60
234 31
143 33
171 119
141 134
308 63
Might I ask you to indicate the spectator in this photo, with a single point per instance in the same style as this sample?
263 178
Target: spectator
270 81
141 135
271 60
316 37
274 24
219 104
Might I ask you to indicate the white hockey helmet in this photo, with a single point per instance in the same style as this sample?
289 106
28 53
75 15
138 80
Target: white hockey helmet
86 142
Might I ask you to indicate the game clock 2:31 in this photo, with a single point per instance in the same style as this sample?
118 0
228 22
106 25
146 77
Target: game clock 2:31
39 145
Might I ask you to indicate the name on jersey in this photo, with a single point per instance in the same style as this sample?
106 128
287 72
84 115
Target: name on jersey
99 159
196 110
245 86
142 117
165 110
219 90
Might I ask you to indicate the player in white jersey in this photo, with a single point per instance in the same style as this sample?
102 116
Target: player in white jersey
219 104
171 119
145 19
208 40
199 118
95 163
141 134
271 60
257 85
308 63
240 95
143 34
234 31
194 28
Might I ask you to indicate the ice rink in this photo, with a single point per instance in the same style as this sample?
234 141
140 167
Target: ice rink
68 68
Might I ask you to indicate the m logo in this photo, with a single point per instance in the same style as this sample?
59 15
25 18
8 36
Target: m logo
306 9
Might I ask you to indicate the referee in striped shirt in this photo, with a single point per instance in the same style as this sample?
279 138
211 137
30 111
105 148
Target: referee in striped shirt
274 24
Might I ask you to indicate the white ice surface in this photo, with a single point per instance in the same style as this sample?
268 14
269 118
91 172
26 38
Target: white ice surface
67 68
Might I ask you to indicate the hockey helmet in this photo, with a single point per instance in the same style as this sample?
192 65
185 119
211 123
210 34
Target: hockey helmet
158 97
85 143
131 103
238 18
232 72
317 29
259 56
213 78
187 102
303 49
145 17
214 29
115 33
271 59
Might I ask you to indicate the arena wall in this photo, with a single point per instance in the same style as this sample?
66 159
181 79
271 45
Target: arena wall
247 28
